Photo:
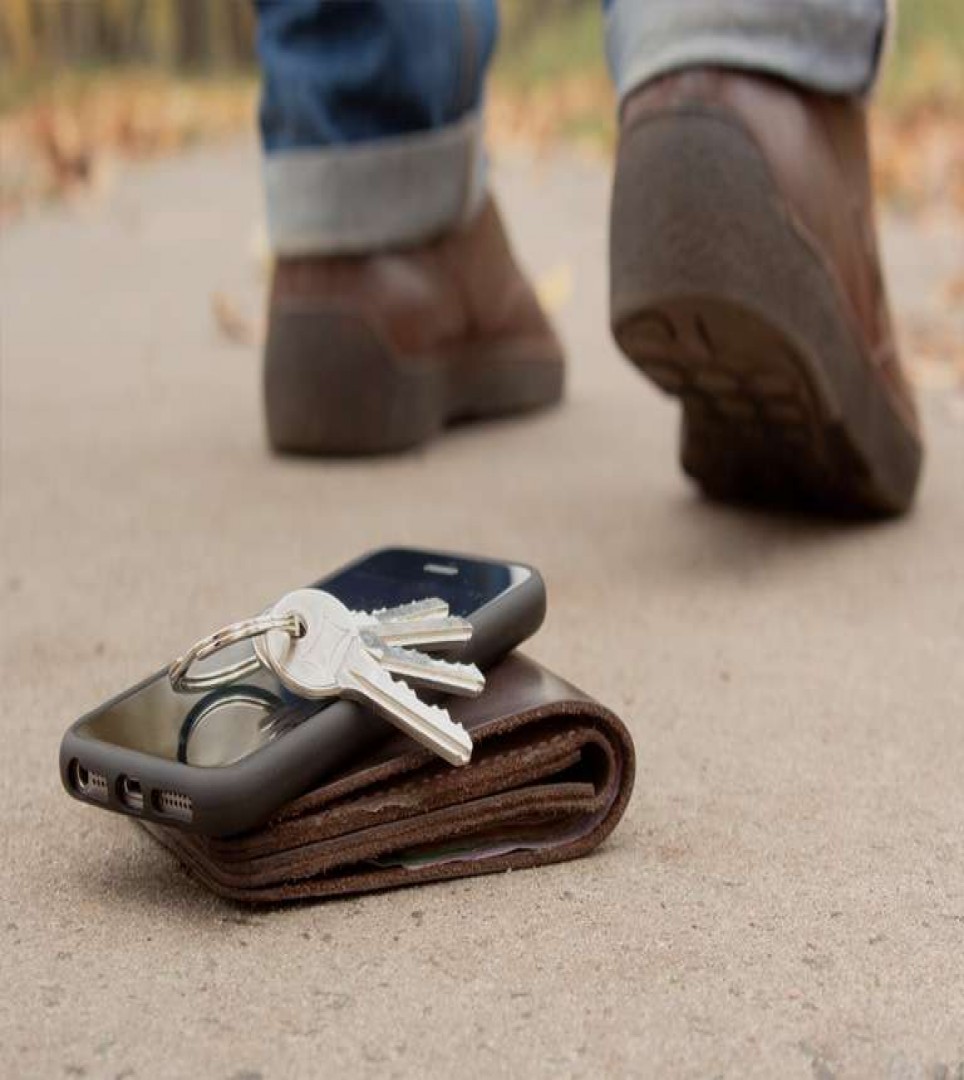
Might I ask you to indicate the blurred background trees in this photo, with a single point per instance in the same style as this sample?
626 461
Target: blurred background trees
540 39
82 81
186 35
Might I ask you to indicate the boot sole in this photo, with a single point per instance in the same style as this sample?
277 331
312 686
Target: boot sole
720 300
333 387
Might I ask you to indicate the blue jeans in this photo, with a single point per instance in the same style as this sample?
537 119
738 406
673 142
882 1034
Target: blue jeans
371 109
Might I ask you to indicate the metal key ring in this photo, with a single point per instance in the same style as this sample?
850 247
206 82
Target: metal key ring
290 623
242 693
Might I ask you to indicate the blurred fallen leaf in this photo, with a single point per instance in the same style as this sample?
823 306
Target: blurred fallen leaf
578 109
930 374
57 142
259 247
934 350
234 324
554 288
953 292
918 156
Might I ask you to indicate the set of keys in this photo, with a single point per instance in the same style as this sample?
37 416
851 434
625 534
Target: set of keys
318 648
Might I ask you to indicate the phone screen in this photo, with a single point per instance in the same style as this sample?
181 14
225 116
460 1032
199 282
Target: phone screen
223 726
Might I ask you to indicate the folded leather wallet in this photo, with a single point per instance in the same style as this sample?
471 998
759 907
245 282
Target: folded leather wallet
551 774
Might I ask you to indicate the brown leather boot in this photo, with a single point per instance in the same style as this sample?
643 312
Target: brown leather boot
745 280
374 353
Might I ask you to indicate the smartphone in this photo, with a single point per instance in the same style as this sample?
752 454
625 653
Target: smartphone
222 762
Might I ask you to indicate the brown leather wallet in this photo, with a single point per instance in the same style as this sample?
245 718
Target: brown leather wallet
551 774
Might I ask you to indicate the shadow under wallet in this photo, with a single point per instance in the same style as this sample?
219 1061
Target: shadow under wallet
551 775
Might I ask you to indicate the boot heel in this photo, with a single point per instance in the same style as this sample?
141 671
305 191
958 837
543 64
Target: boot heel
332 387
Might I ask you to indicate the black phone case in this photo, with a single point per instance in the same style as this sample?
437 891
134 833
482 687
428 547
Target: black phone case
230 799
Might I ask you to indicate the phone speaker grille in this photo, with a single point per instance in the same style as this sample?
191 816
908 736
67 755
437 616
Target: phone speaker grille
98 783
173 804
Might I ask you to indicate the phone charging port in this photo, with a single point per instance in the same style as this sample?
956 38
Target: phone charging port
129 792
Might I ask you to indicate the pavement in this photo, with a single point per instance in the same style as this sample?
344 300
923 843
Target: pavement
785 896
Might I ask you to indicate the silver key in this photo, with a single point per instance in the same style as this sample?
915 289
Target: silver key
428 631
387 633
332 659
428 671
414 609
425 623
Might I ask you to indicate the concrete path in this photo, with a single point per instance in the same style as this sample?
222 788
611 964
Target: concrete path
785 896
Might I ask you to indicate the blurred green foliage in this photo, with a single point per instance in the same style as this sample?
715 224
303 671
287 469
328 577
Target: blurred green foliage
188 34
542 41
45 39
927 63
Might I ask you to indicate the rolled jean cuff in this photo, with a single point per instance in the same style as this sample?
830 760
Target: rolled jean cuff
832 46
393 192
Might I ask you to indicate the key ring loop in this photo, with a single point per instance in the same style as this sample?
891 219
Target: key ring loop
289 623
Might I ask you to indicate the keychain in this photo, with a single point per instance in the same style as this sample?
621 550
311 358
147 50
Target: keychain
320 649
